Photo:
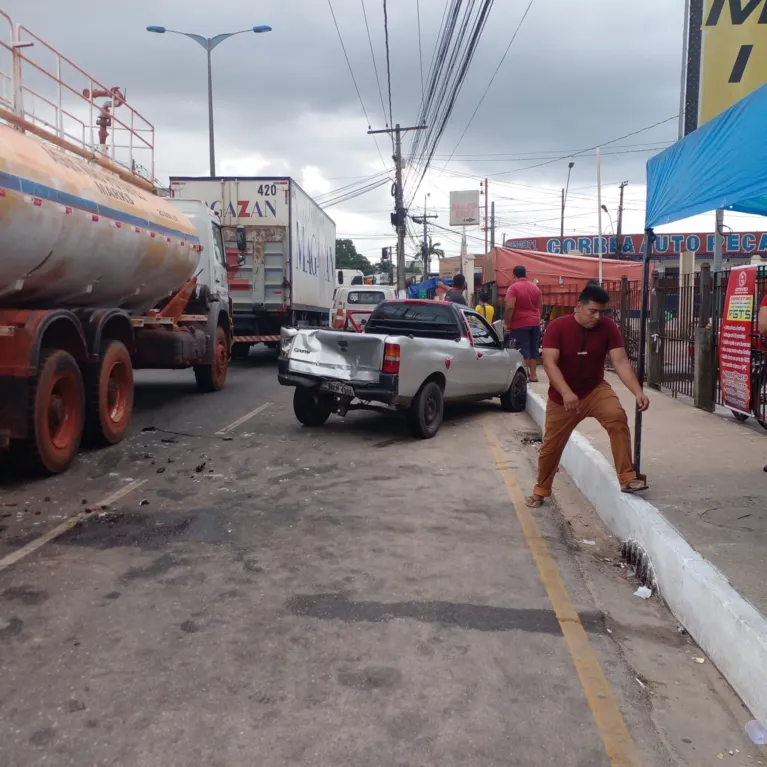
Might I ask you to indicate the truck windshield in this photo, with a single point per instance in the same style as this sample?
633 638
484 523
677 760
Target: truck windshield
218 244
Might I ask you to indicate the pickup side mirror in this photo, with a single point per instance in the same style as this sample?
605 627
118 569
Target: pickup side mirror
242 244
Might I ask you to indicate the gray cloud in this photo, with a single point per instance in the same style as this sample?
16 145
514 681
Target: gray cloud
577 75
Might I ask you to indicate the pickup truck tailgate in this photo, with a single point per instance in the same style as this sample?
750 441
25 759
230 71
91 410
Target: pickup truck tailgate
340 356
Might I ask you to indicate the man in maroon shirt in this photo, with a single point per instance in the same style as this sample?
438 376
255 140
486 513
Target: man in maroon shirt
522 318
574 352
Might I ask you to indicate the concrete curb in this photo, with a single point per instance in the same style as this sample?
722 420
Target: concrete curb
727 627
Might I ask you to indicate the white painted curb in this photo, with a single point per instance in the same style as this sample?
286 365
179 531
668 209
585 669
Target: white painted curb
727 627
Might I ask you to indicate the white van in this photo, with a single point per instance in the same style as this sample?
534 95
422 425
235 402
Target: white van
349 277
353 305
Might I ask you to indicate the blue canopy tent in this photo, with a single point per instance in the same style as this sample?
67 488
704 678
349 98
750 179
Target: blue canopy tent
720 166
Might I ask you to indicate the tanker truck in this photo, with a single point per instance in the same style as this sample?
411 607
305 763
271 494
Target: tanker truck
99 276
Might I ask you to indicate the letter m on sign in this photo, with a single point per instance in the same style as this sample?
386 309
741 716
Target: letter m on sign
740 12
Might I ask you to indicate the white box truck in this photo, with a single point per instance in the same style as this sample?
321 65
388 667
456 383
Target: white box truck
286 276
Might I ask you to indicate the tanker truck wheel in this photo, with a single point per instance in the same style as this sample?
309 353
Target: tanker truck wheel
109 395
57 413
212 378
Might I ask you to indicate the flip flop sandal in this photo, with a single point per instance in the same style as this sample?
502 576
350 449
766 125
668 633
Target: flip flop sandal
534 501
641 478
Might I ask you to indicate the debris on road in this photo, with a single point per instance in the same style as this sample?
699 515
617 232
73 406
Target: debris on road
589 543
200 466
144 502
757 731
643 592
698 660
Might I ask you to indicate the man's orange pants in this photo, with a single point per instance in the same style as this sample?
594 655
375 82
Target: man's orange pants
602 404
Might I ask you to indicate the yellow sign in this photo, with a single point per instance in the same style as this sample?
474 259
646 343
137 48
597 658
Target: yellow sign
733 55
741 309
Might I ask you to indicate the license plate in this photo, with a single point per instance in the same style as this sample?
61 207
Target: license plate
338 388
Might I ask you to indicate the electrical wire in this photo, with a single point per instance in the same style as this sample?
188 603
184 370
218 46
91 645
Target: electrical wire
588 149
420 47
375 66
492 79
354 79
388 59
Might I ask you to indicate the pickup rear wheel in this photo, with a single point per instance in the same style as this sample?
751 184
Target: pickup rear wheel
426 411
310 407
514 399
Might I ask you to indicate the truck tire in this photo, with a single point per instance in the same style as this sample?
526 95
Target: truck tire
310 407
240 351
109 395
212 378
514 400
57 414
426 411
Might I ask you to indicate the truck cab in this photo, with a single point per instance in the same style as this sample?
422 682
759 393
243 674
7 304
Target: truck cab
212 271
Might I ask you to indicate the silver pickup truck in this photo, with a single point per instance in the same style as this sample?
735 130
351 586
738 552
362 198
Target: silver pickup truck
414 356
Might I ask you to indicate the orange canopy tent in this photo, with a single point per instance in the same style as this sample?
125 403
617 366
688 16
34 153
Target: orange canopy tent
552 271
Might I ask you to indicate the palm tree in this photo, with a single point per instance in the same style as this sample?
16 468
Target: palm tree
434 249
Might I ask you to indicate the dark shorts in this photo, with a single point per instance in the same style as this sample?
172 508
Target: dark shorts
527 340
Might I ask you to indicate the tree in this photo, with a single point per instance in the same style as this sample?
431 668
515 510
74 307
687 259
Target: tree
348 258
434 249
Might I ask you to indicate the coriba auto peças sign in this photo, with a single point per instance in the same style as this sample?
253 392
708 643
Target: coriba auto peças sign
735 339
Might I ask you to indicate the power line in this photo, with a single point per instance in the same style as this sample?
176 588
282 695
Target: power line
388 60
588 149
354 79
420 48
373 56
492 79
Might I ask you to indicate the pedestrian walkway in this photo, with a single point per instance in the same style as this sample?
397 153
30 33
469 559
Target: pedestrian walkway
706 478
705 475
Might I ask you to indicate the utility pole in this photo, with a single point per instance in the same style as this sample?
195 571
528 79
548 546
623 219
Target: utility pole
619 230
399 217
486 193
492 224
425 247
562 219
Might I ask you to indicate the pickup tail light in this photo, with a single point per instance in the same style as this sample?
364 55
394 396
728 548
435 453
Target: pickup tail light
391 359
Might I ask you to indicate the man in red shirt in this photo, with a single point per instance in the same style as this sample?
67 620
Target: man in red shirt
522 318
574 352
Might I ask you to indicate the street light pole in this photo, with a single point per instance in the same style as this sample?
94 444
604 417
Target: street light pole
209 43
565 189
211 137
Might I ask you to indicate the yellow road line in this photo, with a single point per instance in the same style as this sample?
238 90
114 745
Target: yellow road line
617 740
68 524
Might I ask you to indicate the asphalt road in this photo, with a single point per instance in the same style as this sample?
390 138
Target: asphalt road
229 588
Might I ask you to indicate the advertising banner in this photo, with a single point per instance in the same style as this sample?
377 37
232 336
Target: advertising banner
735 339
464 208
667 246
727 56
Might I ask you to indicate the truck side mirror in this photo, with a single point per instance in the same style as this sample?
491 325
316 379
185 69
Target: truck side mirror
242 242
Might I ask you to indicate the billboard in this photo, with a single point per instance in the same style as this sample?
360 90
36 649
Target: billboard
464 208
666 245
726 56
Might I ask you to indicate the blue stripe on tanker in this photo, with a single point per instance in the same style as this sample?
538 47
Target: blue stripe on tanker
35 189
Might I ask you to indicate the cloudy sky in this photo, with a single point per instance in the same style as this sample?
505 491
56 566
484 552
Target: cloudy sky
578 74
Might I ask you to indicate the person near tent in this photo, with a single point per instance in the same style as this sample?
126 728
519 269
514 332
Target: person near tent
763 316
522 318
574 352
455 294
484 308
